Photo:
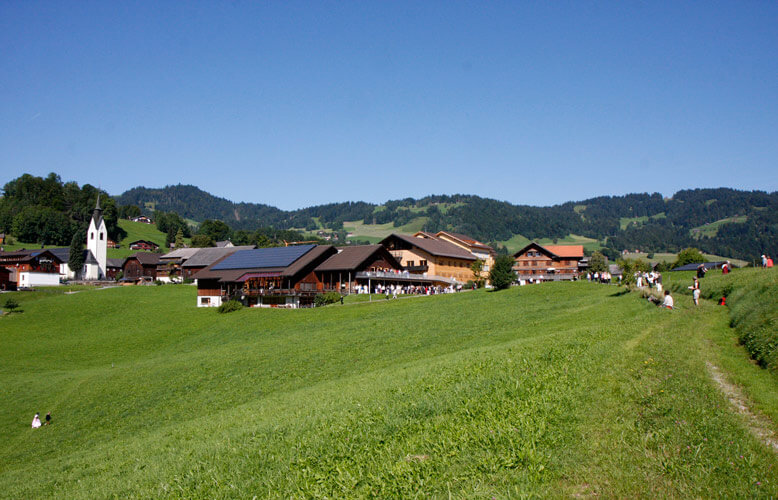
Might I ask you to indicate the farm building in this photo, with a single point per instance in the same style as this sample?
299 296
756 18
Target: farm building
204 257
434 258
365 265
265 277
170 264
551 262
140 265
30 268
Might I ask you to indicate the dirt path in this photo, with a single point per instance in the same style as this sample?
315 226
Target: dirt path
759 426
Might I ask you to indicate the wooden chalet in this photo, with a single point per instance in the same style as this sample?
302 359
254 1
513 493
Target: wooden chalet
143 245
170 269
142 265
204 257
143 219
365 265
30 268
265 277
432 257
548 263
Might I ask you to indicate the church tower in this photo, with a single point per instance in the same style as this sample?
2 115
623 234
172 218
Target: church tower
96 244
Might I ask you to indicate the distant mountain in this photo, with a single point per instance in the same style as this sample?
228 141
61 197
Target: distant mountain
741 224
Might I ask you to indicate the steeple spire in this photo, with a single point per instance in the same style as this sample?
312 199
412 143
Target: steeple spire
97 214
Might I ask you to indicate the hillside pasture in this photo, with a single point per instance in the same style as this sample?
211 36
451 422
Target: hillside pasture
560 389
712 229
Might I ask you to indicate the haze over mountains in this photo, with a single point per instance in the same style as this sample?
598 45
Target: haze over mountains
723 221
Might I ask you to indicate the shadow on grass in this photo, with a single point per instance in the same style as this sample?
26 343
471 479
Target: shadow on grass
619 293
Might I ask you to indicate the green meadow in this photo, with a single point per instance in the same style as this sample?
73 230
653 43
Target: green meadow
553 390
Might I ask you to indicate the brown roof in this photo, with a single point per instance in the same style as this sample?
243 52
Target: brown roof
467 240
145 258
351 258
437 247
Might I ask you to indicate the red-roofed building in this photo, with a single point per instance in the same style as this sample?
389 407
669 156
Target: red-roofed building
552 262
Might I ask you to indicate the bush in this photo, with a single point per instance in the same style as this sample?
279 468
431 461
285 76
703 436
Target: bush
326 298
229 306
11 304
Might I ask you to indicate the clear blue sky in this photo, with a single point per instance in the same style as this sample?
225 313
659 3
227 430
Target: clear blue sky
296 104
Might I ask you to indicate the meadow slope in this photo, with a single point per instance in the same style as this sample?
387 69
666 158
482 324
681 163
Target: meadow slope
566 389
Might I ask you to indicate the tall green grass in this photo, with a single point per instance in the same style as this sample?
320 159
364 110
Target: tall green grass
556 390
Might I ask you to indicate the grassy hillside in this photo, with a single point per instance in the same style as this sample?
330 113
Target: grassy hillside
566 389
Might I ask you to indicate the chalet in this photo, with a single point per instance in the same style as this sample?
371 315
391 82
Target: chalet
204 257
479 250
431 257
364 265
140 265
551 262
143 219
30 268
169 268
112 244
143 245
265 277
224 244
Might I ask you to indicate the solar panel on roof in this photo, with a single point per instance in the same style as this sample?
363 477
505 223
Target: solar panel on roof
263 257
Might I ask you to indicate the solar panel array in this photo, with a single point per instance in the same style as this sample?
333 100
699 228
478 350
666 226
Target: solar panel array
263 257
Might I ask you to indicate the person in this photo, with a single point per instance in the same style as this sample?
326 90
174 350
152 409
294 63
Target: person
701 270
723 301
668 302
725 268
341 303
48 419
696 291
36 421
764 260
769 261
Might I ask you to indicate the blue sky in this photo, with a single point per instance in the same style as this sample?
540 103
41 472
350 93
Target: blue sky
295 104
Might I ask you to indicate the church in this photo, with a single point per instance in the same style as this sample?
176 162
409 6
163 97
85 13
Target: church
96 246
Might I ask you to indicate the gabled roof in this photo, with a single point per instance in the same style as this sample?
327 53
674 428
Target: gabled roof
24 255
262 260
566 251
223 244
559 251
142 241
181 253
436 247
114 262
467 240
207 256
145 258
352 258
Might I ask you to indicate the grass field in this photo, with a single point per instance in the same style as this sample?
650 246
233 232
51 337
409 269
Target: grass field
712 229
556 390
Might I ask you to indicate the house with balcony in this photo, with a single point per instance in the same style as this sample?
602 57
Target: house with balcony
265 277
431 257
548 263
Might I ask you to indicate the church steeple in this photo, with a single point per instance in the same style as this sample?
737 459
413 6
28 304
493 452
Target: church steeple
97 213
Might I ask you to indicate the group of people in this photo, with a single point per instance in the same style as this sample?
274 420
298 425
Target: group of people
36 420
767 261
394 290
602 277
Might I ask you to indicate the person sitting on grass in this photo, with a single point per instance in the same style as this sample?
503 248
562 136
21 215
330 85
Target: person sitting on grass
668 302
36 421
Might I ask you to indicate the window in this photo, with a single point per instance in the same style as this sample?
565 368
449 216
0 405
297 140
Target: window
91 236
205 301
101 236
410 263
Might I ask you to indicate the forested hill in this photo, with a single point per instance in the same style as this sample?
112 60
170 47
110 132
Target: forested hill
723 221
